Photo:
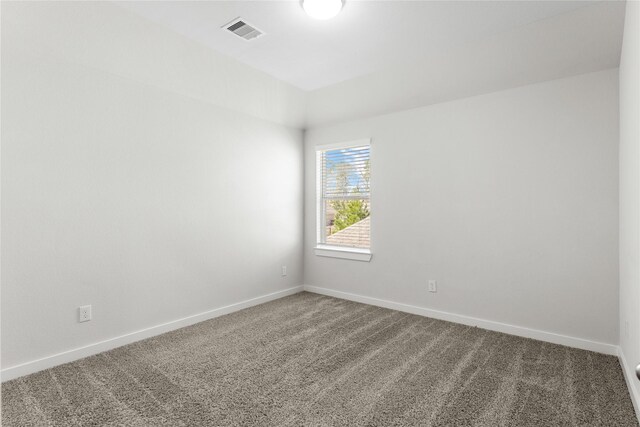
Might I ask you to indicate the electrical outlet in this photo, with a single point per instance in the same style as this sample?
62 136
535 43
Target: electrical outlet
433 286
284 270
84 313
626 329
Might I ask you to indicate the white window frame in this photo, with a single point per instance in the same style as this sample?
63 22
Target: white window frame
322 249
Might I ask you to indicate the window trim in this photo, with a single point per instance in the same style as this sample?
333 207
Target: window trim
343 252
322 249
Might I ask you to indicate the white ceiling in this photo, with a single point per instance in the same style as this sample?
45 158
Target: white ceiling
366 37
585 40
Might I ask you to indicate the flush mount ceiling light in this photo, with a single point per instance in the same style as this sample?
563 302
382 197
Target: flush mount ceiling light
322 9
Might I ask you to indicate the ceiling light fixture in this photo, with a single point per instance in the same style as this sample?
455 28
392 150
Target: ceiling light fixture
322 9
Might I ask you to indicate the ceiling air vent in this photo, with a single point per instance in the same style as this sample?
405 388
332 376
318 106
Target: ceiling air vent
243 30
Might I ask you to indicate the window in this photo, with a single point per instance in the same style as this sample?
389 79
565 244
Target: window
344 204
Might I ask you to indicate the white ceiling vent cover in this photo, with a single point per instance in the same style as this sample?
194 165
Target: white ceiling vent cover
242 29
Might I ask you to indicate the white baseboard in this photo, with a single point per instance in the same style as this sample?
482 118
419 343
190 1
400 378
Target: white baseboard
95 348
551 337
91 349
630 378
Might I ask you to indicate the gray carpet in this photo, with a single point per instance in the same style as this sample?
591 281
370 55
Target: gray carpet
313 360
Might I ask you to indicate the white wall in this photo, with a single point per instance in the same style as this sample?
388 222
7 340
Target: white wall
630 196
124 193
509 200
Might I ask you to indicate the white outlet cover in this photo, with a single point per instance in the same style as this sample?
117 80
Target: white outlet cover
626 329
84 313
433 286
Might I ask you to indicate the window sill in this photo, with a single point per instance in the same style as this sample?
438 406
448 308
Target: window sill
354 254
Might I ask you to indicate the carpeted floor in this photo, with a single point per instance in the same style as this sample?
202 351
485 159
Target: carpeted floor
313 360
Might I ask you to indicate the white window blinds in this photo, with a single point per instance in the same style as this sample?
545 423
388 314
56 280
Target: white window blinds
345 207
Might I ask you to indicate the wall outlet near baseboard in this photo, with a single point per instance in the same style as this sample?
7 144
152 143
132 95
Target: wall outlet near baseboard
284 270
84 313
626 329
433 286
